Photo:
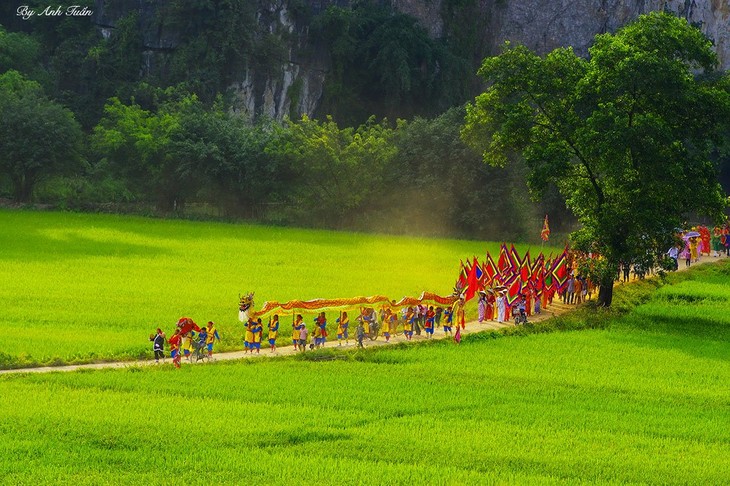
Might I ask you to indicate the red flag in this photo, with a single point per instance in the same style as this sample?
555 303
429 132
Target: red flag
503 264
514 258
461 280
490 270
514 288
538 272
560 269
545 233
480 274
538 265
472 281
486 279
525 270
538 281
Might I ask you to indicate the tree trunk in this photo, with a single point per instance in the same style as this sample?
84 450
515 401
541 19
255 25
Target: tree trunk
605 293
22 189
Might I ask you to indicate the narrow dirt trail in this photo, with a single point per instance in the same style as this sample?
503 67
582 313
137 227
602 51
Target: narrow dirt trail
554 309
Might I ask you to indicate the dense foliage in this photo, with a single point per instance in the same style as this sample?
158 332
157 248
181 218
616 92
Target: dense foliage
38 137
627 136
413 177
384 62
161 135
377 60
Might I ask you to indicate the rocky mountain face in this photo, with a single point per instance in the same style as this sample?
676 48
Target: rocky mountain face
295 86
544 25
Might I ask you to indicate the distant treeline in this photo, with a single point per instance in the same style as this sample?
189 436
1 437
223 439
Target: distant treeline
406 177
86 125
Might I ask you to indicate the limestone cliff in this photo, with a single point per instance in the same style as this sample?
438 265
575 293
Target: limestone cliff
293 81
544 25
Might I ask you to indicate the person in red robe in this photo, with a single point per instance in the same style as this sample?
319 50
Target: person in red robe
705 238
491 302
528 301
175 348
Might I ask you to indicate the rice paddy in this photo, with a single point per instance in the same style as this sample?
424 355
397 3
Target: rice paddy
82 287
643 399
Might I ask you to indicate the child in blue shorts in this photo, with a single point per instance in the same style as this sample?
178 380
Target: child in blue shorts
203 338
273 332
448 316
343 324
303 337
258 331
429 323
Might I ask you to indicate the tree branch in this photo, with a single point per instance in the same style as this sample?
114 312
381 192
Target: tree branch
584 162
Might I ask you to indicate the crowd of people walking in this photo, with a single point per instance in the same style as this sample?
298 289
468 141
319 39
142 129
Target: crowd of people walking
184 342
369 325
192 342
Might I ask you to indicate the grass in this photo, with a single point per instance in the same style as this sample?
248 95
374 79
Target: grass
639 396
76 288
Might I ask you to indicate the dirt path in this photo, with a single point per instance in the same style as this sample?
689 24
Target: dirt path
556 308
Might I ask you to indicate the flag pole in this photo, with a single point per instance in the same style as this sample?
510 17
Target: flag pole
544 233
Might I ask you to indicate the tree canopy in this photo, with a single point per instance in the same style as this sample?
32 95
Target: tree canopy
38 137
626 135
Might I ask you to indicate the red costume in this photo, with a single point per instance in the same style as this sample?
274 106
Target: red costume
704 240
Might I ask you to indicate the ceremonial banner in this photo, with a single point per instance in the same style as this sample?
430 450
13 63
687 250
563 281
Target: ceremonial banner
490 270
541 276
471 282
545 233
560 270
524 270
480 274
537 279
514 258
353 302
548 281
514 288
503 263
538 266
461 281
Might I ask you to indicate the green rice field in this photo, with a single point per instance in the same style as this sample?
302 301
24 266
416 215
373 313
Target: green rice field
644 399
82 287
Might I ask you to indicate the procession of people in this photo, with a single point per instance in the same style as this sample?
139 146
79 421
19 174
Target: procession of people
699 241
189 340
372 325
184 341
496 304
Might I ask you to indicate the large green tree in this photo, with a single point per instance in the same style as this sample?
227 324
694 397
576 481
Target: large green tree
133 142
181 152
442 187
22 53
226 155
626 135
336 170
38 137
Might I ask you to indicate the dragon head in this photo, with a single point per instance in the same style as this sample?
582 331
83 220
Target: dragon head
245 303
